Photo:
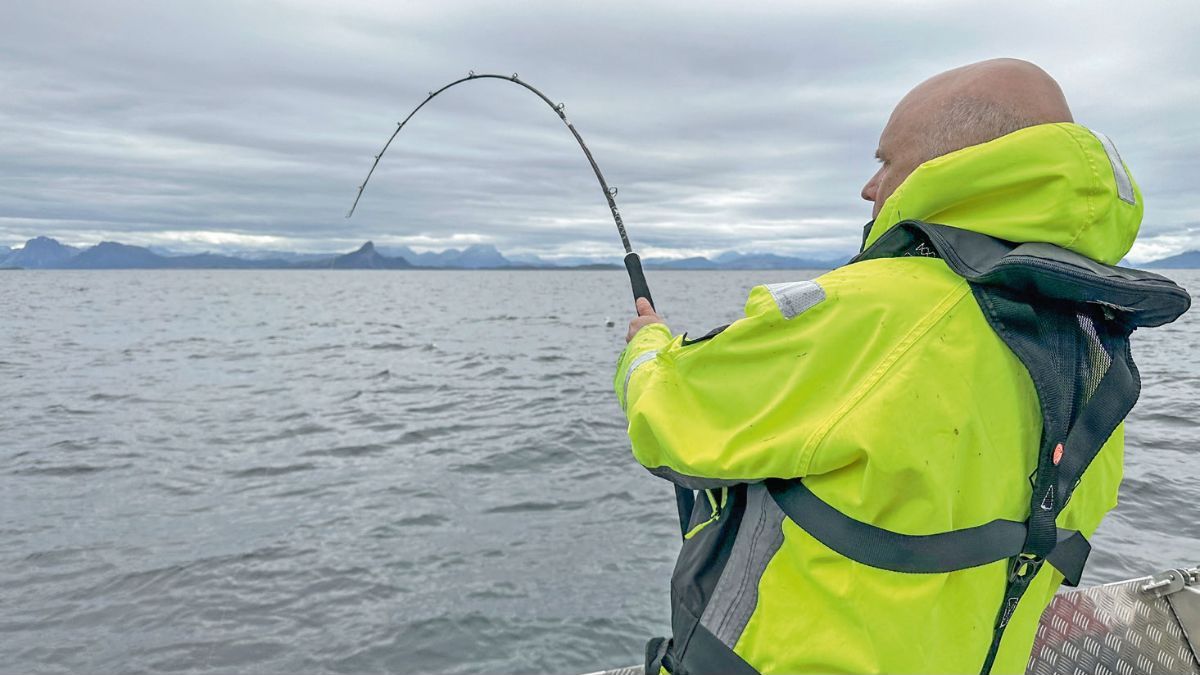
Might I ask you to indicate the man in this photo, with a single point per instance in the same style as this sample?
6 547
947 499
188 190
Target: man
964 378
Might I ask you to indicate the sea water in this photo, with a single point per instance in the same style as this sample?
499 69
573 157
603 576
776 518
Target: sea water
408 471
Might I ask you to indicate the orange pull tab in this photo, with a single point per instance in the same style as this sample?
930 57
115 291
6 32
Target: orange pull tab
1058 452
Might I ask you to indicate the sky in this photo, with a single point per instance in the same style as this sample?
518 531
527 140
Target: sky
725 126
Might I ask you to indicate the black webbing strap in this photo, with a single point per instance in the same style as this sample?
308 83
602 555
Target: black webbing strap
919 554
1035 337
685 501
705 653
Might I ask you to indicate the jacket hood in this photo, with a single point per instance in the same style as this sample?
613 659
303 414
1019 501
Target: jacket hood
1060 184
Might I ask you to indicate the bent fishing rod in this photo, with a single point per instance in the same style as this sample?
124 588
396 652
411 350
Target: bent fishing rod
684 498
633 264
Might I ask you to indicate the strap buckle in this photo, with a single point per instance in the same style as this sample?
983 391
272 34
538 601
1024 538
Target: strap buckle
1023 567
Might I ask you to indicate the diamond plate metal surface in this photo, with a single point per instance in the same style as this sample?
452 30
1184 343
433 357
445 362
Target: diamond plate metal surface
1111 630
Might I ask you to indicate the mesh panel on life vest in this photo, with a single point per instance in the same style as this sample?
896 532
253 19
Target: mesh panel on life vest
1069 350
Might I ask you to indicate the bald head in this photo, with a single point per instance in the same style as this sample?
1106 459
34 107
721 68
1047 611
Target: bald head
959 108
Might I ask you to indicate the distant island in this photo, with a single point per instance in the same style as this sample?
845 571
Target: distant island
1188 260
48 253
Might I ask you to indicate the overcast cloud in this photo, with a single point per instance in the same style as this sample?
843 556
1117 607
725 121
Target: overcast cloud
747 126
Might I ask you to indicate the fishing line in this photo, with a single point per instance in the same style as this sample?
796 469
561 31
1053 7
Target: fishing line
633 264
684 498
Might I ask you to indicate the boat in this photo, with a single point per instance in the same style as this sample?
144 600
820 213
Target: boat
1144 626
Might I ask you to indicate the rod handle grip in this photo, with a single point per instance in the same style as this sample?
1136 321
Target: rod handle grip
637 278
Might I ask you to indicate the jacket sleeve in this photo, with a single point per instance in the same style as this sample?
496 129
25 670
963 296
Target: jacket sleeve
733 407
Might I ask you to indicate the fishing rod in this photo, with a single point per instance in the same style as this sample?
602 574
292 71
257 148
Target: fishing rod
633 263
684 498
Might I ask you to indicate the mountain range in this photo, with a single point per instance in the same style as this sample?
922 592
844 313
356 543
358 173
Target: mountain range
1186 260
48 253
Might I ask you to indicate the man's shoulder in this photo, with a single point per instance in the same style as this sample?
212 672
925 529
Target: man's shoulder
860 314
914 280
864 291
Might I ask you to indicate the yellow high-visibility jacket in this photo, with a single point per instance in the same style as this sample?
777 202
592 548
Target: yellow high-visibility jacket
883 387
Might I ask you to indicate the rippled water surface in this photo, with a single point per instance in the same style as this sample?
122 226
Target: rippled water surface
385 471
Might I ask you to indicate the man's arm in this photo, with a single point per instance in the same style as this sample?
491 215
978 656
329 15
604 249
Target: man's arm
731 408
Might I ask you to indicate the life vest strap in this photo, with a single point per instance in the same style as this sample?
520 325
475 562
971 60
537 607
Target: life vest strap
685 501
920 554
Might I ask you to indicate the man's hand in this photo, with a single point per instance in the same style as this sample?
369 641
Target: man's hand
645 317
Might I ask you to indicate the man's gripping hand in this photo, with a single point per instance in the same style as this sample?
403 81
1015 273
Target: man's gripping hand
645 317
